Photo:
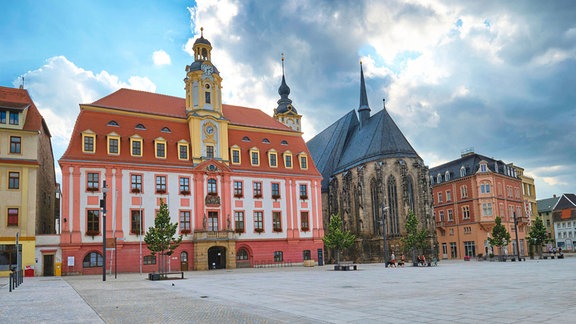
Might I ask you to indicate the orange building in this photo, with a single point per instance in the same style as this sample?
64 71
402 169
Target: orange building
469 193
239 183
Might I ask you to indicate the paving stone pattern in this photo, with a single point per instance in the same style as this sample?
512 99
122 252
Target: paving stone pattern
534 291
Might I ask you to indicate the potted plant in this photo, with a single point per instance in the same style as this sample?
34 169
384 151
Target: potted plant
135 190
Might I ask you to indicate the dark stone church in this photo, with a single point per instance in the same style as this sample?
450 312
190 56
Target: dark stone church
372 174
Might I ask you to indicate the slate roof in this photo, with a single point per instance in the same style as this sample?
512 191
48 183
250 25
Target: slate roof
345 144
547 205
567 201
471 164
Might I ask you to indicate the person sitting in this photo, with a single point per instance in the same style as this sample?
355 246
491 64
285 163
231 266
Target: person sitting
401 262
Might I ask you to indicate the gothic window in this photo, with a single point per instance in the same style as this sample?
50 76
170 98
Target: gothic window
410 192
394 226
376 210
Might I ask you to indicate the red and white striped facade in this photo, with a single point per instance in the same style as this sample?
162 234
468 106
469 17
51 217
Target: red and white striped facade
241 185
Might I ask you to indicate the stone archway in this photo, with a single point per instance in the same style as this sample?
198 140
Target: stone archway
217 257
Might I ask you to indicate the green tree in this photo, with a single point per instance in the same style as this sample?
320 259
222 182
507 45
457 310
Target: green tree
337 238
537 235
414 239
160 238
500 236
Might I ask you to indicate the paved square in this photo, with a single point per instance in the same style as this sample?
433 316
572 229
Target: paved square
461 292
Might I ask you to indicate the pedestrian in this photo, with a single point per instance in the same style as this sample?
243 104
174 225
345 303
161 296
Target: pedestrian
401 263
393 260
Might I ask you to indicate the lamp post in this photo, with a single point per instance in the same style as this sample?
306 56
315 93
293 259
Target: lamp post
103 206
516 231
384 209
140 233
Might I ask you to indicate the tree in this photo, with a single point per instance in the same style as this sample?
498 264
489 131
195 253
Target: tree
160 238
500 236
537 235
414 239
337 238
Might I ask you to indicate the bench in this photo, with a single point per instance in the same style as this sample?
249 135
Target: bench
345 266
166 275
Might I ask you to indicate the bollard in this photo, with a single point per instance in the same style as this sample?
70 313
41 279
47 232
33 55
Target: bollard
10 283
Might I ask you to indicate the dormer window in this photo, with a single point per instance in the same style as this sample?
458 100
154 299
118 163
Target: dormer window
14 118
166 130
284 142
88 142
136 146
303 161
483 167
140 126
113 144
254 156
113 123
288 160
235 151
266 141
447 176
273 159
160 148
245 139
438 178
462 171
183 150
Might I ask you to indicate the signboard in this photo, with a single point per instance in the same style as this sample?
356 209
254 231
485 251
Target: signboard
70 261
110 243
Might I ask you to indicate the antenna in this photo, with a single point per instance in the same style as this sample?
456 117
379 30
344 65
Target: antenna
22 84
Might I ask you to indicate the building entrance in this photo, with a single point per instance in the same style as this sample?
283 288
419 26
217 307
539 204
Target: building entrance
217 257
48 264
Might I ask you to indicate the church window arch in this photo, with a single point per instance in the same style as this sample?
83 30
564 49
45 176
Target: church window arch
393 226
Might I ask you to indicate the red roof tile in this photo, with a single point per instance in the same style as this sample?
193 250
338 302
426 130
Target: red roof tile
20 99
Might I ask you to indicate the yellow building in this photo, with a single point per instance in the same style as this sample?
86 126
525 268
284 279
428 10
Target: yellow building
528 194
27 181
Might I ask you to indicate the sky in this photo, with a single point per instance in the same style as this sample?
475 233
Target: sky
497 77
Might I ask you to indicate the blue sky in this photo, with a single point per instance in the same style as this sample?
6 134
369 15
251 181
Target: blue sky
495 76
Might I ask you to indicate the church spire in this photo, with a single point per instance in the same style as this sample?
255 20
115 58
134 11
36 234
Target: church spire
364 108
285 112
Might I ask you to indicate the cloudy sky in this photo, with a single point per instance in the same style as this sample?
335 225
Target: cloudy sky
495 76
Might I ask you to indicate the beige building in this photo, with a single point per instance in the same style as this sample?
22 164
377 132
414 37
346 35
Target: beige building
27 186
528 194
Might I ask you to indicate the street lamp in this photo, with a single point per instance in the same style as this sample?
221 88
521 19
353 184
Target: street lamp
140 233
384 209
516 231
103 206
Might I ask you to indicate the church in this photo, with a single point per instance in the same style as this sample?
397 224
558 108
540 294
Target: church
372 178
241 184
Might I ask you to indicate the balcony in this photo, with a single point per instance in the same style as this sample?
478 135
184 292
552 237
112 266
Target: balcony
200 235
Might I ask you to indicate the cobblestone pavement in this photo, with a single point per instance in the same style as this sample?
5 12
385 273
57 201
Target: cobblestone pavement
456 291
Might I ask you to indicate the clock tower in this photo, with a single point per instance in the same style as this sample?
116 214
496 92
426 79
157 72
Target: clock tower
203 85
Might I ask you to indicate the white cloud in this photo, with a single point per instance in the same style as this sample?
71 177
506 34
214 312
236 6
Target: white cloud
160 57
59 86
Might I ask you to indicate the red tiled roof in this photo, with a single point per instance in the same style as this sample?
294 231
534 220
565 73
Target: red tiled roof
20 99
151 105
158 104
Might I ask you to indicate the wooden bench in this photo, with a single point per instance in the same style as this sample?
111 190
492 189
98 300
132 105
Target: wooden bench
166 275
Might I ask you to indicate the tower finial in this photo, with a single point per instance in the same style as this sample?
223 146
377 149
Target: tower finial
201 31
282 63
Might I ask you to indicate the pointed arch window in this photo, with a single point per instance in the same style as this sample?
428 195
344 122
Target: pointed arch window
394 227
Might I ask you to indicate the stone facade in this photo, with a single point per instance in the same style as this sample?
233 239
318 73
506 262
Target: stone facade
359 194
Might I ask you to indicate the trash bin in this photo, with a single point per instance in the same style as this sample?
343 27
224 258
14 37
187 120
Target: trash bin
28 271
153 276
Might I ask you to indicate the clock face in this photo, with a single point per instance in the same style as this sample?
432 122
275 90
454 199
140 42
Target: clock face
209 130
207 69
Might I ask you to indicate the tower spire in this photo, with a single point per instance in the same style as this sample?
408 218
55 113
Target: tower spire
285 112
364 108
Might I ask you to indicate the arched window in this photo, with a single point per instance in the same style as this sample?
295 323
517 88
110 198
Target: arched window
376 208
447 176
93 260
393 226
462 171
212 190
242 254
438 178
410 192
